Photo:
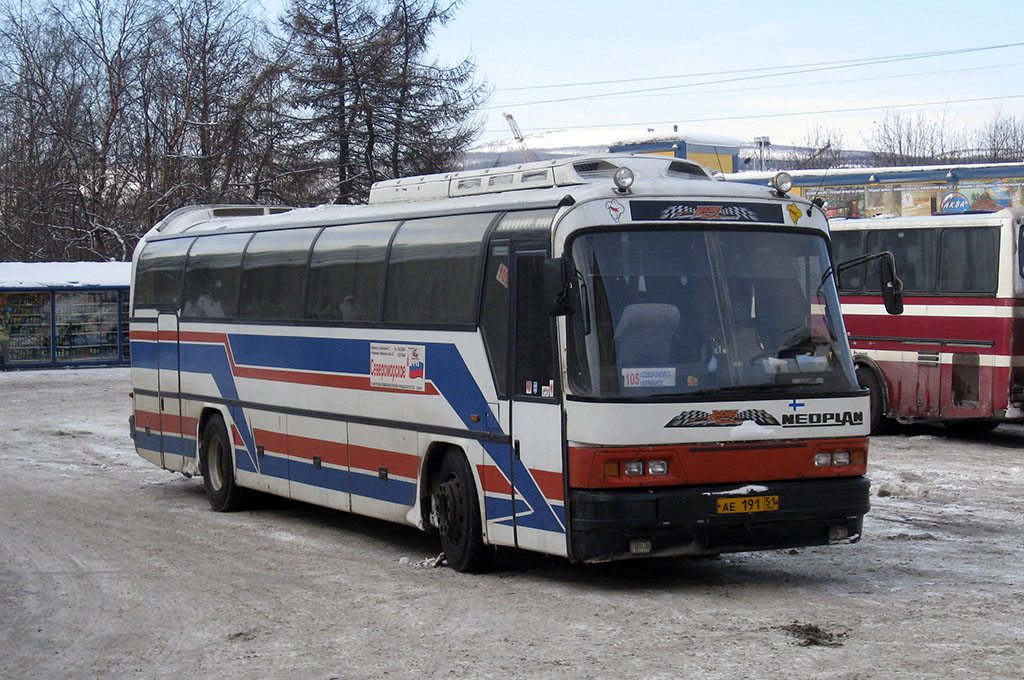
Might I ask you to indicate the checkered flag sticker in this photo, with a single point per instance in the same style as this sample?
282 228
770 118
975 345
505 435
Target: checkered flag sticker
721 418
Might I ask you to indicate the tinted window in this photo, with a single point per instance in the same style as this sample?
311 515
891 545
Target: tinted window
159 271
346 272
915 253
968 260
847 245
494 312
534 366
433 270
211 278
274 274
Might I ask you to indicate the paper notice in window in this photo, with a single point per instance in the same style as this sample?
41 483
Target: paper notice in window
649 377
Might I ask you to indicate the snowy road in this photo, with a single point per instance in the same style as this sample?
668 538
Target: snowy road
110 567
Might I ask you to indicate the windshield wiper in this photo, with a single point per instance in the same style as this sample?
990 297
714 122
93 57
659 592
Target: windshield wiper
729 389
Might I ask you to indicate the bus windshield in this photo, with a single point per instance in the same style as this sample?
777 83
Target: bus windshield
701 312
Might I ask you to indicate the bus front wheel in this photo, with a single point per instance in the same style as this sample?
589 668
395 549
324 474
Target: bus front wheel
457 514
217 463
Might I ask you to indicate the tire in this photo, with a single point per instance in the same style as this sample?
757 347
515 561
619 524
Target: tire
216 458
876 416
457 512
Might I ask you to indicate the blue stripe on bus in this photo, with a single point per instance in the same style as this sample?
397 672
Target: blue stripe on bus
149 442
333 479
327 355
143 354
391 490
168 443
444 367
274 466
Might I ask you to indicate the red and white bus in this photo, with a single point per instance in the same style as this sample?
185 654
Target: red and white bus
955 354
598 358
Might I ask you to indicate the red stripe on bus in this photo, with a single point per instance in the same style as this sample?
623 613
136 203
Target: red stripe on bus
551 484
167 423
603 467
366 458
493 480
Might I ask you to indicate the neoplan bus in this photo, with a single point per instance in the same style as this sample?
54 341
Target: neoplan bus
598 358
956 355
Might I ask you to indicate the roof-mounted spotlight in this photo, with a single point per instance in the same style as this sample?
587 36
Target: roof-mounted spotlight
782 182
623 179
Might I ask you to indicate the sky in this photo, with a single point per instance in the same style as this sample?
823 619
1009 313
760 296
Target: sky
738 69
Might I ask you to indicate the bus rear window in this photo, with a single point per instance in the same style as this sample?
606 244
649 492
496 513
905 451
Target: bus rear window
158 273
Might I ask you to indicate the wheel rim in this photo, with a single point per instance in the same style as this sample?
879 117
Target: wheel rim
214 460
449 511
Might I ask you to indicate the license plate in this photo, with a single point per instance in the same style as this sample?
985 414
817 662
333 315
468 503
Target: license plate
747 504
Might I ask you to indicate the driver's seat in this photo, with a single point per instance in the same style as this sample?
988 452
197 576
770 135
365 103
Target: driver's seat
643 336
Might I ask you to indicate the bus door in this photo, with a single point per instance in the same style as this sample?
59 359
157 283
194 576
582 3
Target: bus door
536 411
168 392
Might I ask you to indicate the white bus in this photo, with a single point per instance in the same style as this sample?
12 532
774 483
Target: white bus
598 358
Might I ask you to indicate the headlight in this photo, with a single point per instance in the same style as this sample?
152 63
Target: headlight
782 182
623 178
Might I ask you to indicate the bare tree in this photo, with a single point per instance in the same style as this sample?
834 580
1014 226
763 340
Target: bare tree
1001 139
914 140
113 113
820 148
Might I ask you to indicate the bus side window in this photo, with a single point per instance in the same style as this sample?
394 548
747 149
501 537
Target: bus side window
346 272
274 274
535 362
847 245
433 272
159 273
212 276
916 253
1020 249
965 260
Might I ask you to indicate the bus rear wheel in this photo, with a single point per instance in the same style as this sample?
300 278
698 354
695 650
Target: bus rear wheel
218 465
457 514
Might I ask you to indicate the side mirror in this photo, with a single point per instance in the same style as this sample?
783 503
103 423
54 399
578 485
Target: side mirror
558 286
892 287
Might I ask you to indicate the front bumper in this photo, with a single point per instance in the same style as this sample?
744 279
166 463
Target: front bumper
615 524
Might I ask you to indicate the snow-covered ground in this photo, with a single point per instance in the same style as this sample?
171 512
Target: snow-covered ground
110 567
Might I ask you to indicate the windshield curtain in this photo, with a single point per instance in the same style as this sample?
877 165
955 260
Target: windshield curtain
691 312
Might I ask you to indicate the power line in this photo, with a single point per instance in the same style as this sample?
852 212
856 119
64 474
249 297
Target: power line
861 61
843 81
798 71
756 116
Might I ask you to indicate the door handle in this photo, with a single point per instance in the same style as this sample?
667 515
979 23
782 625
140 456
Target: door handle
515 448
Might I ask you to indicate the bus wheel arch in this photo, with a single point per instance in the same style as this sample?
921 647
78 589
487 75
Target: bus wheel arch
870 376
454 509
217 463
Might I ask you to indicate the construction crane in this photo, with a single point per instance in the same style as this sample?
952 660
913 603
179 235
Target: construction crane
525 150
